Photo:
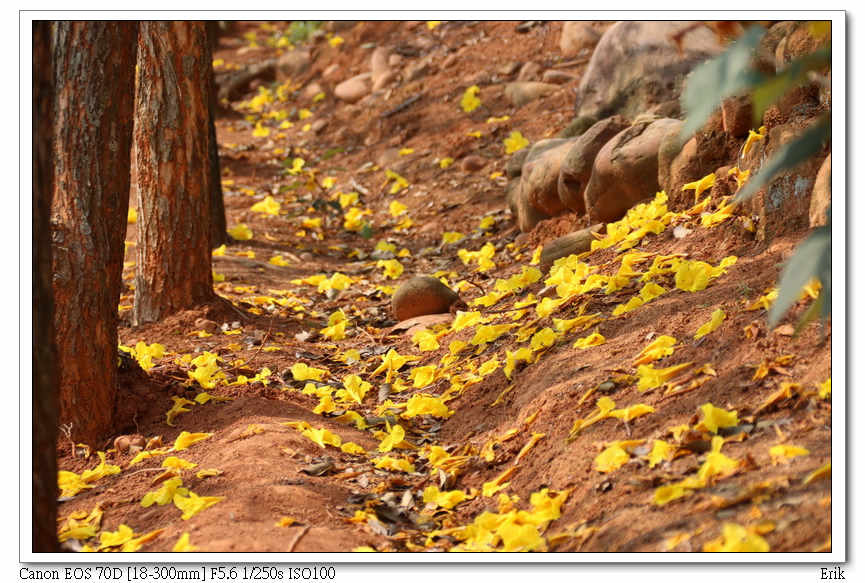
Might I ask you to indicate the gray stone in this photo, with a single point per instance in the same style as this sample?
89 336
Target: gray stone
636 65
520 93
625 170
576 168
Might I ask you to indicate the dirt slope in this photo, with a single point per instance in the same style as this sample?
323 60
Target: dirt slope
525 422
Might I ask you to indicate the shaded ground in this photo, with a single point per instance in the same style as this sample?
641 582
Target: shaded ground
276 322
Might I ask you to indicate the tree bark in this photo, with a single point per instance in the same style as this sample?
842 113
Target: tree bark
94 83
45 374
218 227
171 170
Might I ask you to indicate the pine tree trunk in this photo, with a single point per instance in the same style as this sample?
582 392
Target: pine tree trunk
218 227
94 82
171 170
45 374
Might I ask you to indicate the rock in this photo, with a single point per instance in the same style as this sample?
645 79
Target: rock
318 125
292 63
420 296
636 65
380 69
576 168
508 69
570 244
473 163
311 91
764 56
511 193
784 204
417 69
671 108
625 170
384 80
514 167
797 43
354 89
529 72
821 195
527 215
737 115
395 60
558 77
540 179
332 73
577 126
207 325
576 36
521 92
387 158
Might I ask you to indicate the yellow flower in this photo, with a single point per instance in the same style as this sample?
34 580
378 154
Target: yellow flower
715 418
260 131
423 375
780 453
426 405
661 451
543 339
336 41
611 459
193 504
392 268
451 237
397 208
302 372
651 378
470 101
659 348
444 499
753 138
515 142
701 185
240 232
593 339
736 539
718 316
445 162
267 206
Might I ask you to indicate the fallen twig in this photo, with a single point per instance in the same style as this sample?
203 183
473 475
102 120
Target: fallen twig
297 538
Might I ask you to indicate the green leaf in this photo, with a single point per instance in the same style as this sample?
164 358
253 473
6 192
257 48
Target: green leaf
788 156
366 231
773 88
813 258
727 74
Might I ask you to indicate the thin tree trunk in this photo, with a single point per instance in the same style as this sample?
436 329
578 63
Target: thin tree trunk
45 374
171 170
94 83
218 227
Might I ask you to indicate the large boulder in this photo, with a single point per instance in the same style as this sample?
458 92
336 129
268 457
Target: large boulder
784 204
576 168
540 179
527 215
625 170
821 196
637 65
